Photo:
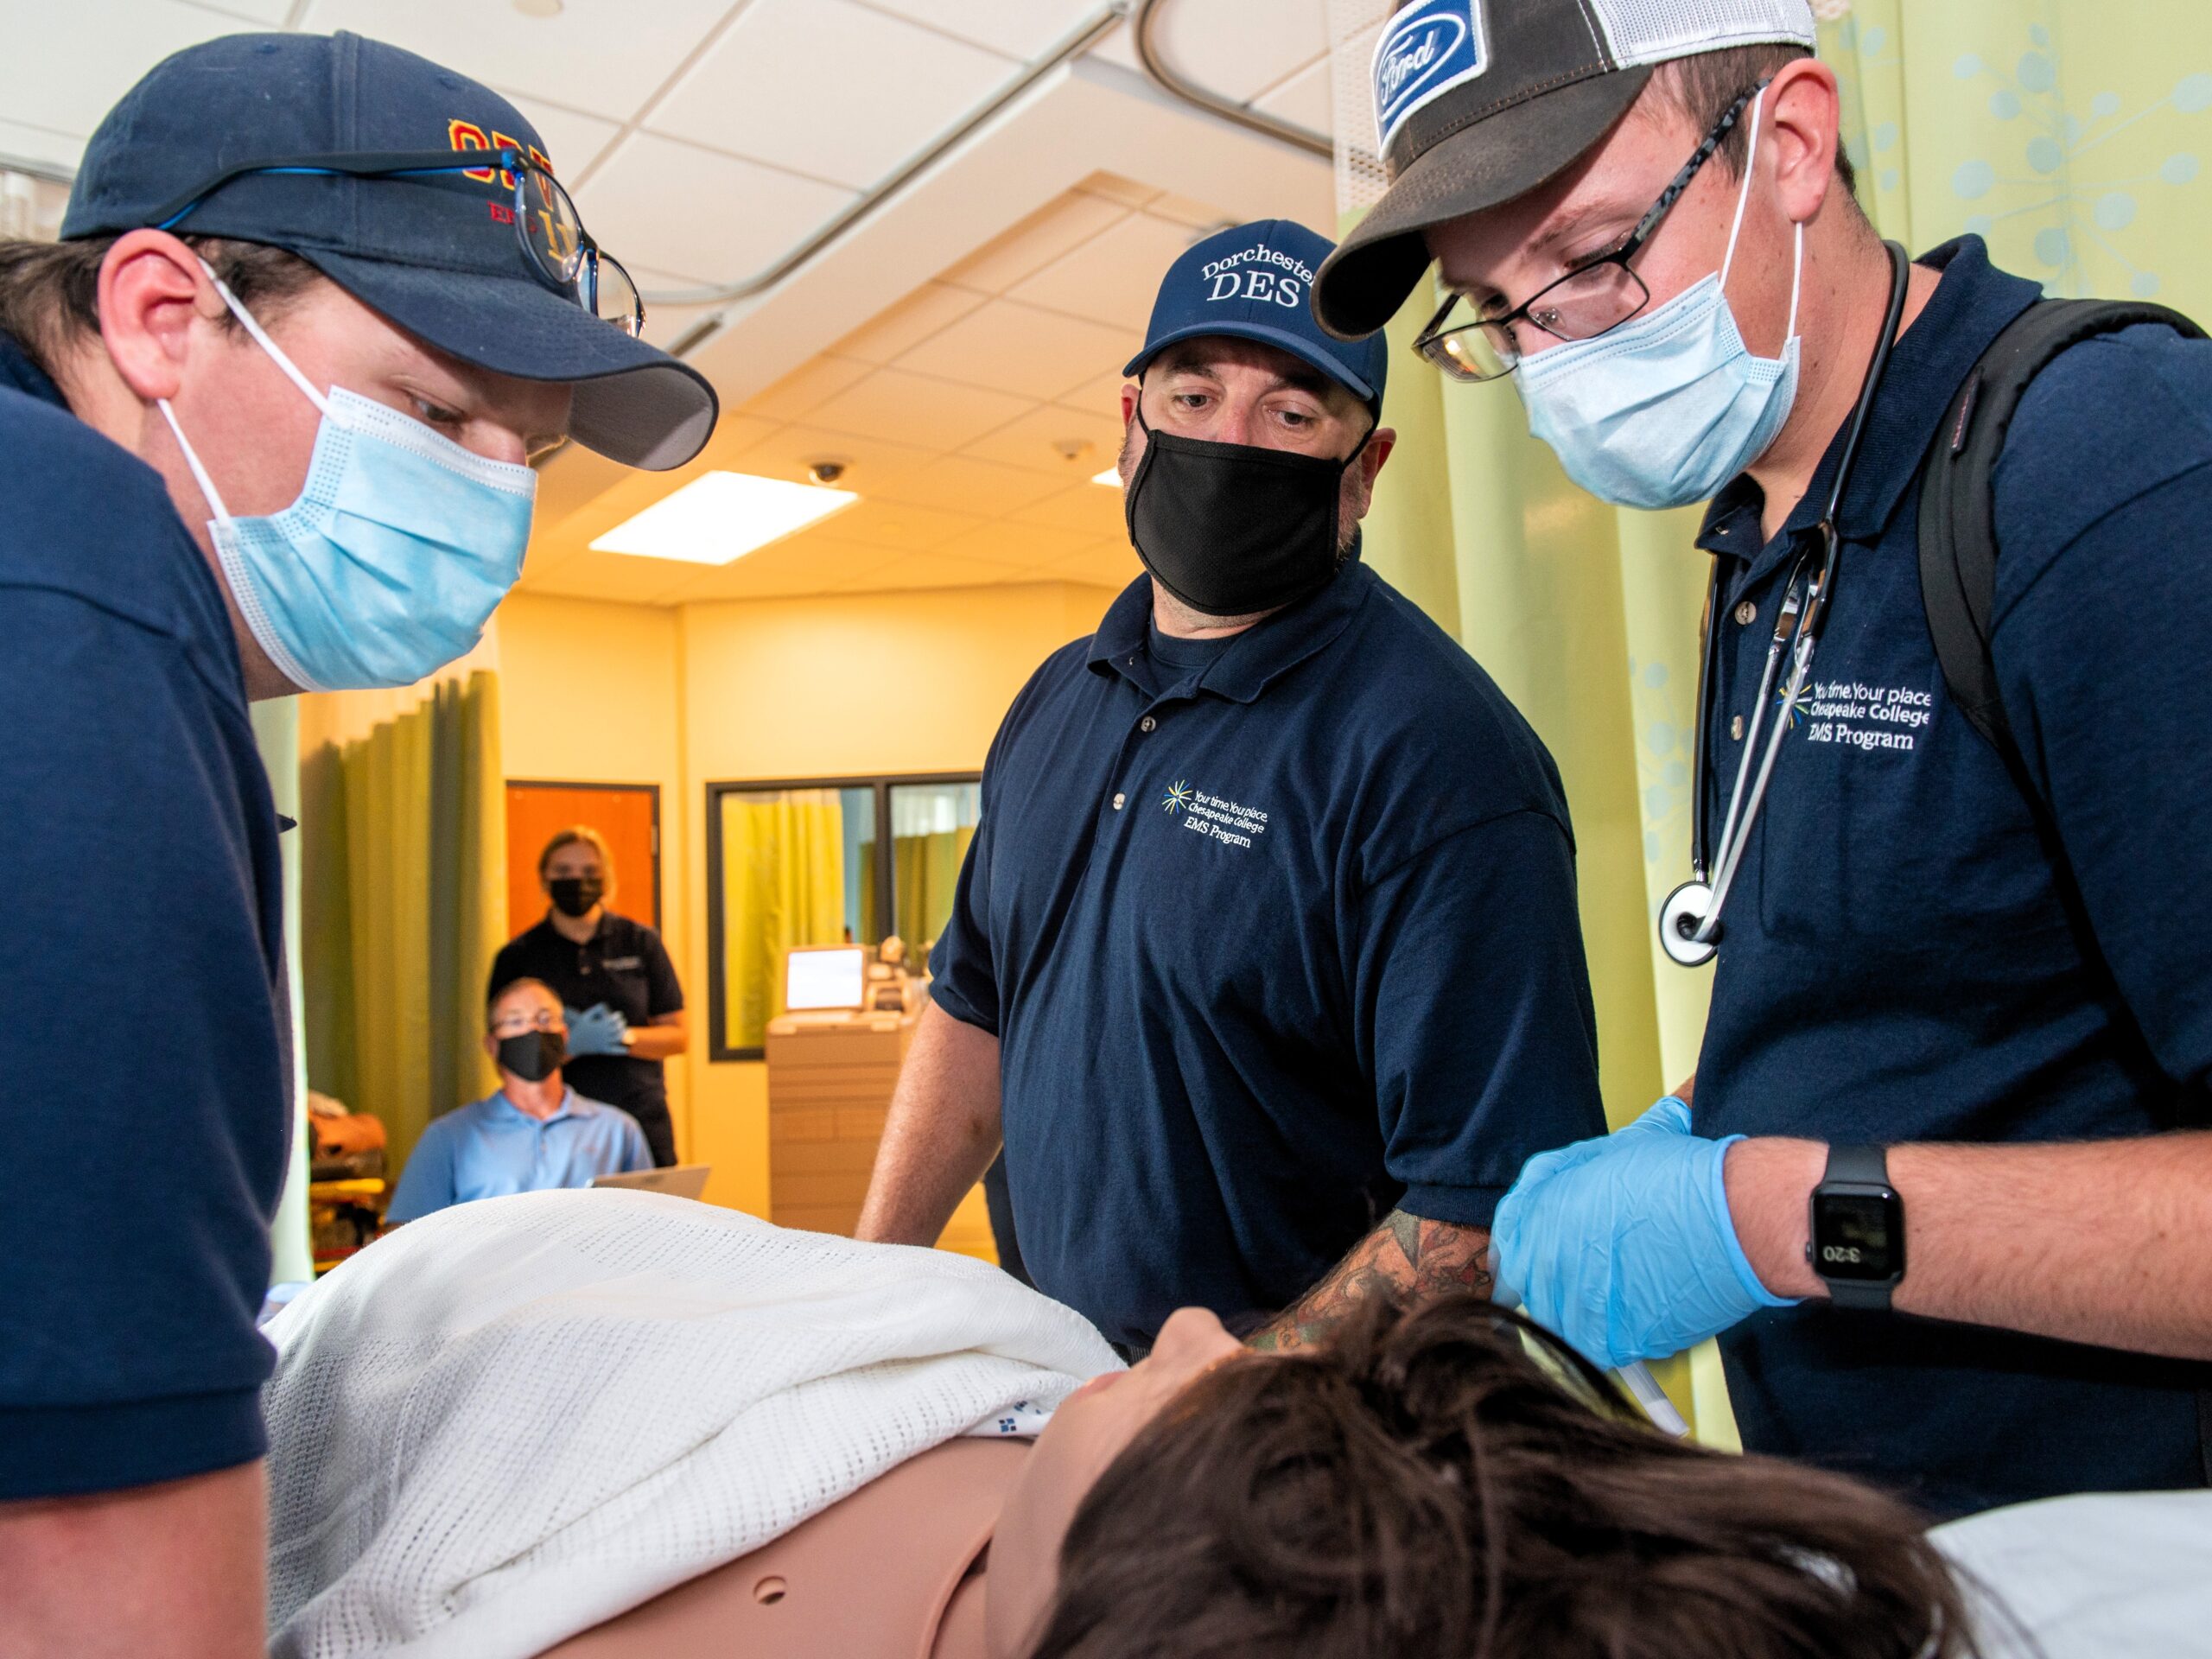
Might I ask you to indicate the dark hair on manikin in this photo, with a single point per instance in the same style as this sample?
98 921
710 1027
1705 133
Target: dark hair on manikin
1420 1485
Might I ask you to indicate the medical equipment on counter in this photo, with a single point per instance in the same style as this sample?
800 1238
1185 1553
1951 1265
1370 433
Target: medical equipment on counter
820 978
1643 1387
1689 922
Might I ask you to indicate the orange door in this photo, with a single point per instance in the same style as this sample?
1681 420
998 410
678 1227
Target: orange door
627 815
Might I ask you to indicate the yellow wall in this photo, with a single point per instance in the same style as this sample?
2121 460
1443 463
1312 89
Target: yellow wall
589 694
835 687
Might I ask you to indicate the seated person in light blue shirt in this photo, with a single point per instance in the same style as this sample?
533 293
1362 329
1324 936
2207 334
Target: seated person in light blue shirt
536 1133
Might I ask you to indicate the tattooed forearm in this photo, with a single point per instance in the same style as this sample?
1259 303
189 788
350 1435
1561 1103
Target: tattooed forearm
1405 1259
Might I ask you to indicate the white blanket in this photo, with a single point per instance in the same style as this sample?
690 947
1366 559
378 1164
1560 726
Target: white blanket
513 1419
2105 1575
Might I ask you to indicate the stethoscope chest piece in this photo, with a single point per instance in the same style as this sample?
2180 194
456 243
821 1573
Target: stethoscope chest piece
1680 917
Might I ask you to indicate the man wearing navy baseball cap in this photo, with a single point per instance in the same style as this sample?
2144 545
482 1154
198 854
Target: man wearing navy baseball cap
1941 1190
267 414
1264 965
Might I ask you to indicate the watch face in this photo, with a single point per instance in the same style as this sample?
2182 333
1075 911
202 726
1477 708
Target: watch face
1858 1235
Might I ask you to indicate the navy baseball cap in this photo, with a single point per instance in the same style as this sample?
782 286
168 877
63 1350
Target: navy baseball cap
1255 282
435 253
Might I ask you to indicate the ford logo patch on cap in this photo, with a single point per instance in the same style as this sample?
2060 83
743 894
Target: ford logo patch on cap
1428 50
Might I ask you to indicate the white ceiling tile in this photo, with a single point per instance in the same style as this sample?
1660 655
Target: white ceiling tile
1036 440
1100 396
1115 188
802 565
1306 99
60 151
1019 349
901 528
1093 510
806 388
827 88
1036 242
1022 28
612 575
574 142
648 203
606 56
1238 49
1194 215
1023 547
267 14
66 66
904 408
1118 48
959 484
665 324
872 466
1115 276
908 323
933 570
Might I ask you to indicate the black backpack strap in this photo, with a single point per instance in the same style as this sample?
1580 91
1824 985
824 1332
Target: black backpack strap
1958 509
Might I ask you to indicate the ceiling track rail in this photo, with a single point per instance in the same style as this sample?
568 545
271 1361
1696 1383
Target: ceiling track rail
1073 44
1156 71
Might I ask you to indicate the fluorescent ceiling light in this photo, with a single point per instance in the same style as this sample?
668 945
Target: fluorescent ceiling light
719 516
1111 476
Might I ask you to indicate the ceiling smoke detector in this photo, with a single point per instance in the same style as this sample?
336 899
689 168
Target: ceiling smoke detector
1072 449
826 471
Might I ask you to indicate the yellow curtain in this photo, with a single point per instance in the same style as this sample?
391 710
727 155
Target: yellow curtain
2045 126
404 857
783 885
924 869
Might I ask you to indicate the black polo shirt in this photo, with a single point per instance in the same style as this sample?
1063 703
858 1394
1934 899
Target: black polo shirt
1898 963
145 1067
1274 938
624 965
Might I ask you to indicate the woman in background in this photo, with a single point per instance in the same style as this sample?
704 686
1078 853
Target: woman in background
625 1006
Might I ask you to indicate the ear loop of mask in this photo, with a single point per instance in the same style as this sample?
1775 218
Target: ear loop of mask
1735 225
260 337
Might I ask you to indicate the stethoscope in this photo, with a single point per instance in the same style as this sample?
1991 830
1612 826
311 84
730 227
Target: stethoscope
1689 922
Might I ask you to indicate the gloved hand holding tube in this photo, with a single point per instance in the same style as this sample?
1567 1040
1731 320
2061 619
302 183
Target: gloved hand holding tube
1636 1376
1624 1244
601 1029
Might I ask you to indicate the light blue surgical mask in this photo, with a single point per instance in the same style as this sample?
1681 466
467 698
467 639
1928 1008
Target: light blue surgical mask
1664 409
388 566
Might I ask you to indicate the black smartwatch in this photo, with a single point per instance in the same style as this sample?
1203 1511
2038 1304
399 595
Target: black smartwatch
1858 1235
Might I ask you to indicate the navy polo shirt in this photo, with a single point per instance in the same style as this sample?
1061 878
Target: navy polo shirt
1274 938
145 1073
1898 962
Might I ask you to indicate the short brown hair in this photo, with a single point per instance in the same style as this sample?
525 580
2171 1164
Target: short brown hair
1703 86
572 835
520 982
1420 1483
49 291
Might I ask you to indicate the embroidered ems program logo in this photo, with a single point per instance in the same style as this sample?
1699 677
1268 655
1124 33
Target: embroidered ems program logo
1178 797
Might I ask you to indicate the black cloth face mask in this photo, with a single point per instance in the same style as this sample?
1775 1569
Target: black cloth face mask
1230 529
575 895
533 1056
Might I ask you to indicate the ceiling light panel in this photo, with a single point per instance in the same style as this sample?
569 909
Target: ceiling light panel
719 516
828 89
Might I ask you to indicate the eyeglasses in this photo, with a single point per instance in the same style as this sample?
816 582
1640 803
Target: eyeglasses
1592 299
545 219
517 1025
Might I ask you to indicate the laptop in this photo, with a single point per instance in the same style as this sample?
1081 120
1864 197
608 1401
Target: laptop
680 1180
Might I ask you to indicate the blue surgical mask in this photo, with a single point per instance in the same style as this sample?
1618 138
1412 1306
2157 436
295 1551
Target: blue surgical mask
1667 407
388 566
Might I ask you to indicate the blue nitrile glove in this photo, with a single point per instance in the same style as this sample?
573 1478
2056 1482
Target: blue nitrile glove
1624 1244
597 1031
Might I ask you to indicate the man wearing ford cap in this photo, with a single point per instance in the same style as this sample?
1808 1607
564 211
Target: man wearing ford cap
1961 1035
266 418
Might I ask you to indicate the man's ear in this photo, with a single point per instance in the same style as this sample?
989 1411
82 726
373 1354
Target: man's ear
1380 443
1129 403
152 292
1805 112
491 1045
